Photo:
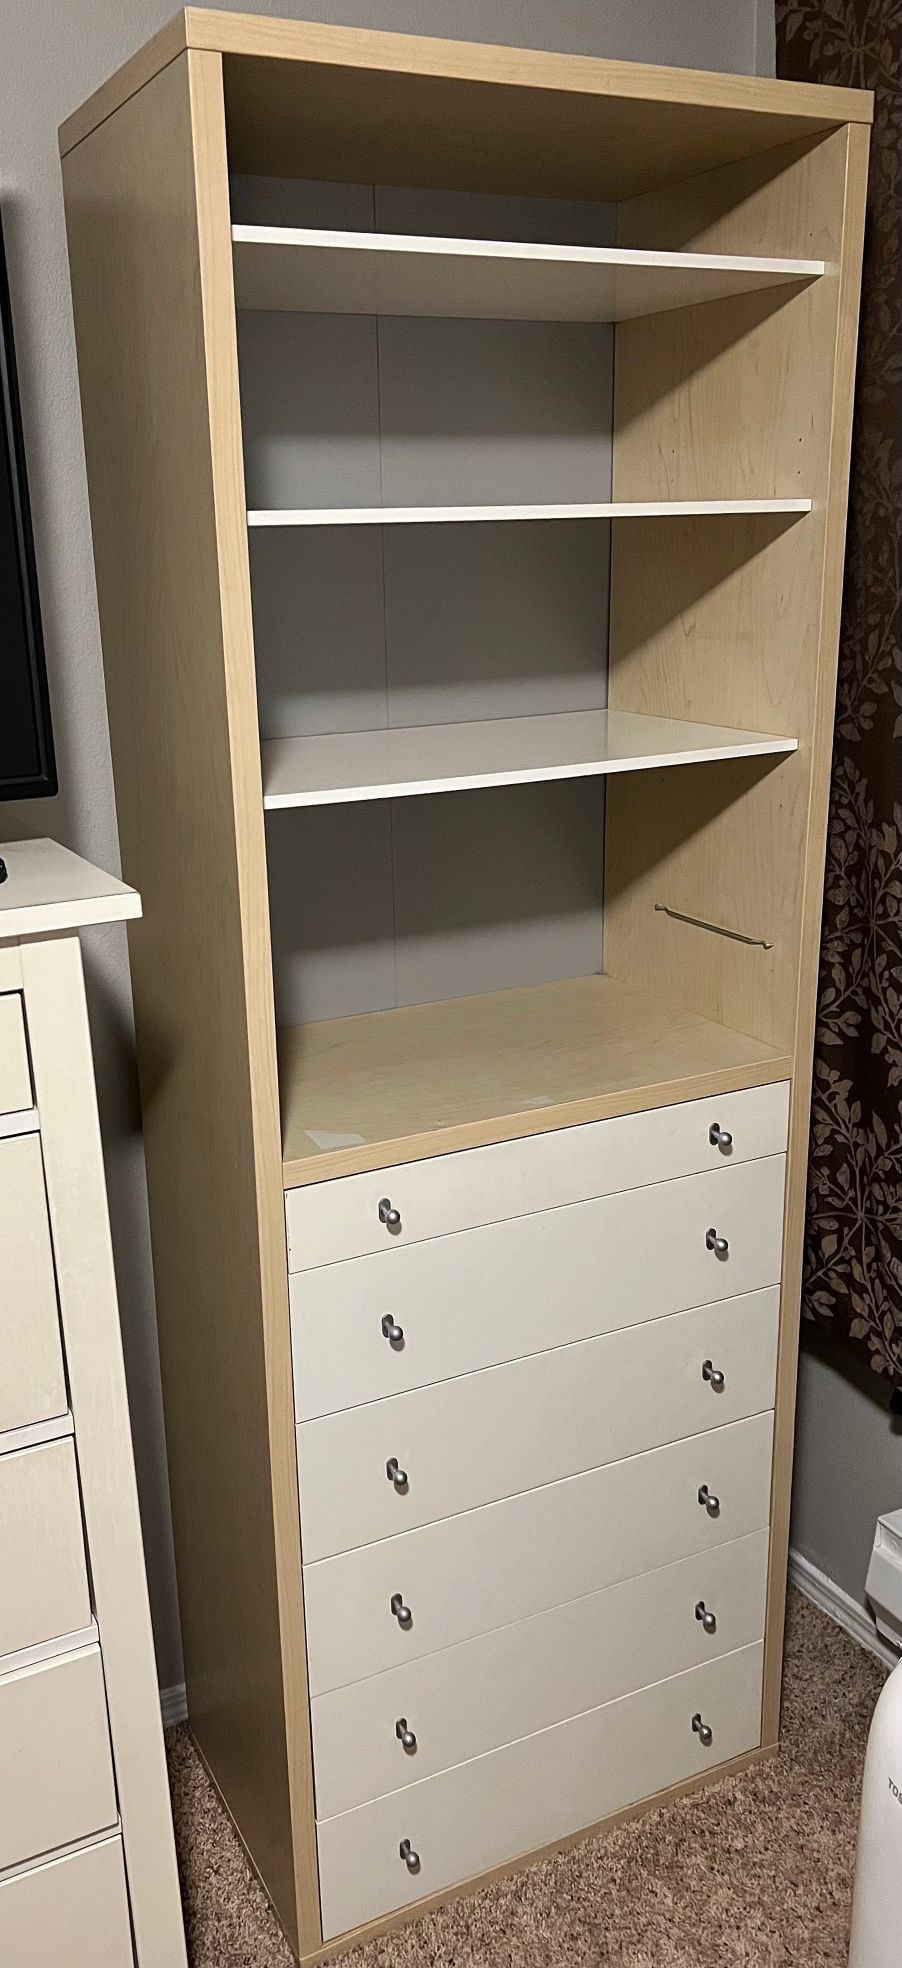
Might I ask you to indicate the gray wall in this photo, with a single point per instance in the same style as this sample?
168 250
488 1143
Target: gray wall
848 1463
54 55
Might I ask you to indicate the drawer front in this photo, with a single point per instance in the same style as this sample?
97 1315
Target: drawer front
534 1791
72 1910
509 1560
485 1296
468 1442
473 1698
56 1772
328 1221
42 1553
32 1382
15 1072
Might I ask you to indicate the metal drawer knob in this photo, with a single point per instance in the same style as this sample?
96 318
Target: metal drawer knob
719 1138
710 1501
391 1331
708 1620
396 1474
410 1857
405 1736
402 1613
388 1215
718 1245
713 1376
703 1731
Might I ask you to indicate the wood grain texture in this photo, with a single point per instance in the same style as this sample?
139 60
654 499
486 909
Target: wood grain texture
434 1077
89 1314
756 396
147 208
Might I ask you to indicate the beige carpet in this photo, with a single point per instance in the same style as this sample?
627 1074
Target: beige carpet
756 1871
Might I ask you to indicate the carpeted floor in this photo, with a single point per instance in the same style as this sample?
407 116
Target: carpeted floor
752 1873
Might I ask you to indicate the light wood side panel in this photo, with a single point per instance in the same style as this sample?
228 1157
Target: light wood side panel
147 209
89 1312
759 397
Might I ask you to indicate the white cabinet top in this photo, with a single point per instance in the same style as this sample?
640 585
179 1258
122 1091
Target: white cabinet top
48 888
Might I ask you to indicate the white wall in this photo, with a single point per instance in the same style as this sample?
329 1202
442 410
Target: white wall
848 1467
55 52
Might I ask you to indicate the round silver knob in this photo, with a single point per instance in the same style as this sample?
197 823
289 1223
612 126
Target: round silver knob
388 1215
410 1857
708 1620
718 1245
392 1332
703 1731
405 1736
402 1613
713 1376
719 1138
710 1501
396 1474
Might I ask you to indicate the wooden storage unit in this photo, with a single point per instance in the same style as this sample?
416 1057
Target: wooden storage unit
471 696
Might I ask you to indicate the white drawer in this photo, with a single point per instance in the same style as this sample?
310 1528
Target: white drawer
535 1791
467 1442
481 1297
473 1698
42 1555
72 1910
328 1221
15 1072
469 1574
56 1772
32 1382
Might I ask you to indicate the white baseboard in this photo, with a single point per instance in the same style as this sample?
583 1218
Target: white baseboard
173 1705
840 1606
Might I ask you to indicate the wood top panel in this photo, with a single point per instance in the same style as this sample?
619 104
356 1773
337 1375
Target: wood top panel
396 1086
378 105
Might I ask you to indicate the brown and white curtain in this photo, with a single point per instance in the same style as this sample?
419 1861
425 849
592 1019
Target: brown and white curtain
853 1268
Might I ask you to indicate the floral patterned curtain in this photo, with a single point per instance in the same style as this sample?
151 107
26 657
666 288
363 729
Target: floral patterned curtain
853 1260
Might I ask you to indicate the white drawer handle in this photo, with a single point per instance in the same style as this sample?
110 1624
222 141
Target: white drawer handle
388 1215
410 1857
391 1331
718 1245
405 1736
402 1613
720 1138
708 1620
709 1500
713 1376
397 1475
703 1731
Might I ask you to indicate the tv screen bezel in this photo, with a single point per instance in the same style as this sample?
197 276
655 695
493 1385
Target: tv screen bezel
43 783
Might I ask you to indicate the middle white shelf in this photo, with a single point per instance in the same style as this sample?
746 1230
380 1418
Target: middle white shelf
450 515
407 760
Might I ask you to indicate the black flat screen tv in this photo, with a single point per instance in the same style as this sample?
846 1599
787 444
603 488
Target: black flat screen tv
27 763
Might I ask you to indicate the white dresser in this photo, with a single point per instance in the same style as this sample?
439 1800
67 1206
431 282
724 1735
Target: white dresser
87 1862
534 1386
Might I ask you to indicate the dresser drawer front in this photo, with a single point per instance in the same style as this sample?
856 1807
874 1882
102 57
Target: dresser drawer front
15 1072
530 1793
44 1592
474 1572
32 1381
72 1910
471 1441
329 1221
56 1772
470 1699
485 1296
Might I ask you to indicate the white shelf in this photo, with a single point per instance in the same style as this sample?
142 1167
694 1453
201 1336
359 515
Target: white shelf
309 271
441 758
464 515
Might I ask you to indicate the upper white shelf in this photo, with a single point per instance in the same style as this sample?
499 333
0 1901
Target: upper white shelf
309 271
436 515
441 758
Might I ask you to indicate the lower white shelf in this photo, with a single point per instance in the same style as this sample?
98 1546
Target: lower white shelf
457 515
415 759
